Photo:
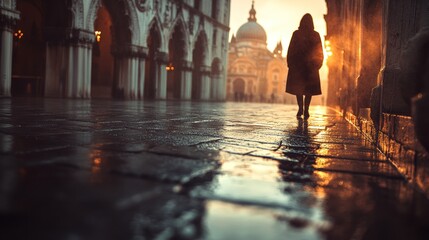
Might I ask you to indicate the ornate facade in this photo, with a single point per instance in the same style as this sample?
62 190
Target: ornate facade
132 49
255 73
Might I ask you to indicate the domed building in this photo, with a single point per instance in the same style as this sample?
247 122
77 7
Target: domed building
255 74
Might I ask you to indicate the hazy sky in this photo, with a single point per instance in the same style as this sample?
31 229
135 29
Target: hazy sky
278 17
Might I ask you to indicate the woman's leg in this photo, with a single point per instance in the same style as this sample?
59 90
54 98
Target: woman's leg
307 106
299 100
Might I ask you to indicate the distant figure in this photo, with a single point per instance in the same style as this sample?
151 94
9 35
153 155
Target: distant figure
304 59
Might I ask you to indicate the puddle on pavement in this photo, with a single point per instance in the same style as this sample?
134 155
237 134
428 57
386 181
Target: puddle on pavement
231 221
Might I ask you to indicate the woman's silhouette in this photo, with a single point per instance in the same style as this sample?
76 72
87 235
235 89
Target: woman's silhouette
304 59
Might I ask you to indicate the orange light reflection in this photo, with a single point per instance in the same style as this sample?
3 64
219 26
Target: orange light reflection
96 161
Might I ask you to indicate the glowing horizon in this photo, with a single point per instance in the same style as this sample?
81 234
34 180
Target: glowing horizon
280 18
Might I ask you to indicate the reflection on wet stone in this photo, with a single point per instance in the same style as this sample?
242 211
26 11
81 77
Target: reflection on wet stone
172 170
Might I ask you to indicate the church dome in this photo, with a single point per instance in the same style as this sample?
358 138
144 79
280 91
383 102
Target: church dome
252 31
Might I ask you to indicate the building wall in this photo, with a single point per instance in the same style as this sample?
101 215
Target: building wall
376 77
68 28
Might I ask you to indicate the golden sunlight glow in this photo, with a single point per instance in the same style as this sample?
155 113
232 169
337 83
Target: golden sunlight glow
328 48
19 34
98 36
319 110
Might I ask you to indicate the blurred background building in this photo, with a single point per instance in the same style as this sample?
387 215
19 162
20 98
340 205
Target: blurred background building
132 49
254 73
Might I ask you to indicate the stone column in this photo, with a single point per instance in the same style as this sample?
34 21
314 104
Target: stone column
68 63
8 19
141 73
128 59
396 32
215 85
205 82
88 70
55 70
222 86
186 81
161 75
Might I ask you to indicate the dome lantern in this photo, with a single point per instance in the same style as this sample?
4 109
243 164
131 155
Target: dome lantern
252 13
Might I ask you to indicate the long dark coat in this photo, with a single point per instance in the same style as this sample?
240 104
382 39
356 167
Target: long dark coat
304 59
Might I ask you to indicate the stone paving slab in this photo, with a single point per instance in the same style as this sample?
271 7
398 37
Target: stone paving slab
103 169
56 202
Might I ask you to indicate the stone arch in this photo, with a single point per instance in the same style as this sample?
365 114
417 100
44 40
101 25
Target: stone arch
201 70
218 83
178 48
77 14
29 47
102 61
156 23
179 23
202 36
124 33
216 67
92 14
118 9
239 89
154 43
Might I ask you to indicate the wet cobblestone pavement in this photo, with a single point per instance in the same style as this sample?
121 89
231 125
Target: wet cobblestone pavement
77 169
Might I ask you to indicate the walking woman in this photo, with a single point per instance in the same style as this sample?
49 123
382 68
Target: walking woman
304 59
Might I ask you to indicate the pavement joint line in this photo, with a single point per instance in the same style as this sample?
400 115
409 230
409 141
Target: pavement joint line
339 157
398 177
184 156
248 140
205 142
241 154
290 160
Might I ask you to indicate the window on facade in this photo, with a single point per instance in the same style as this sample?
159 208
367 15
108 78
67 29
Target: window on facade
214 9
197 4
275 76
214 37
225 16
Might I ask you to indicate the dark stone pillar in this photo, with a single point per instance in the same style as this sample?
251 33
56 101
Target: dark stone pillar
370 50
8 20
128 60
415 78
396 32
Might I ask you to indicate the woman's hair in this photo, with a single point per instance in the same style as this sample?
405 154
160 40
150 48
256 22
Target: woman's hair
306 23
